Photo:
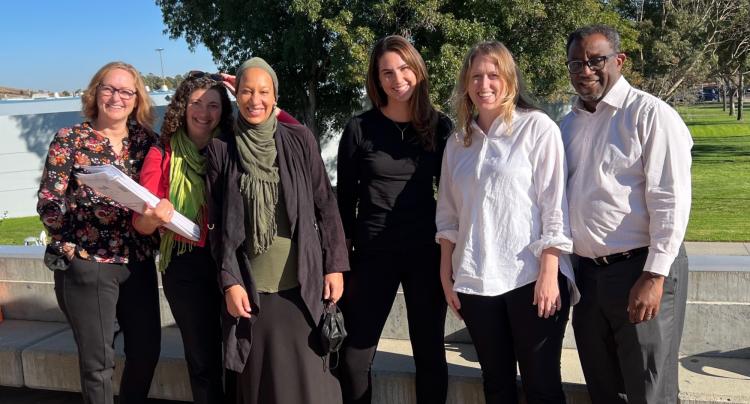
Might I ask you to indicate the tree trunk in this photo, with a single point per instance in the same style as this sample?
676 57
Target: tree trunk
724 98
311 105
731 102
741 92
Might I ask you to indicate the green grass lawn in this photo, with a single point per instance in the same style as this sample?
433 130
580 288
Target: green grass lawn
721 174
14 231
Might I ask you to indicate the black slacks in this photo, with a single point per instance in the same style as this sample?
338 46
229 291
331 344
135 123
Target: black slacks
92 295
191 287
369 292
506 330
624 362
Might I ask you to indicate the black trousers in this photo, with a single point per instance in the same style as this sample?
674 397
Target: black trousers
369 292
92 295
506 330
191 287
624 362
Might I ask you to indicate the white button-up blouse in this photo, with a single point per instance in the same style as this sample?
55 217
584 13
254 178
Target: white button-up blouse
502 201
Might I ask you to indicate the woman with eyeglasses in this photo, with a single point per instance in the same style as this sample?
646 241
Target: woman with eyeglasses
104 269
278 243
388 166
174 170
503 230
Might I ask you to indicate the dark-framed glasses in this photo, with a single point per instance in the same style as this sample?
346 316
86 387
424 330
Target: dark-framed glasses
594 64
197 74
108 91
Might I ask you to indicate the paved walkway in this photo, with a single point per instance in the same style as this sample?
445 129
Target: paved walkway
713 248
9 395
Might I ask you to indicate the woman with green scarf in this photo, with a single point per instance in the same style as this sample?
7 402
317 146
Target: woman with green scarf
175 171
277 239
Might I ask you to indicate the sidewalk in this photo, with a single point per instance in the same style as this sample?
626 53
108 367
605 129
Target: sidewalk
717 248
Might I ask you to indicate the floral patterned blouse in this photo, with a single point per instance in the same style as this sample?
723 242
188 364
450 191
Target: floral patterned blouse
100 228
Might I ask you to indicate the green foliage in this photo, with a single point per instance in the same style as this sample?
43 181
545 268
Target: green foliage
319 48
155 82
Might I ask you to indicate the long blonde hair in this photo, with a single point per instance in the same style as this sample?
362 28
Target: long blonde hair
143 113
515 95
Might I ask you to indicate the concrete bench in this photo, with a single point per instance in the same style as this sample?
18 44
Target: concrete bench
37 348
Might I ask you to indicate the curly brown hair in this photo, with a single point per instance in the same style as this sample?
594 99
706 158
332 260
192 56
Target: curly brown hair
175 116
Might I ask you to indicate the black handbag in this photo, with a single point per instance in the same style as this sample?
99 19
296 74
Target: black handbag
332 331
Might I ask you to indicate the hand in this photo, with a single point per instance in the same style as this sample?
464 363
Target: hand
229 82
69 249
333 286
238 304
446 276
451 297
546 291
645 297
547 296
160 214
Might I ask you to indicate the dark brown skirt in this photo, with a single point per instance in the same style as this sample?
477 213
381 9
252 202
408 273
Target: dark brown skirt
284 366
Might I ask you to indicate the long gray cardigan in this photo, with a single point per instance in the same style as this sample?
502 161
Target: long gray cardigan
311 205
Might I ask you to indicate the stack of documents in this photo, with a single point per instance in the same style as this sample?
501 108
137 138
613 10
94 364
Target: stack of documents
110 181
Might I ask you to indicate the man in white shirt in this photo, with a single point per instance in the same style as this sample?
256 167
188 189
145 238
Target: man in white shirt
629 193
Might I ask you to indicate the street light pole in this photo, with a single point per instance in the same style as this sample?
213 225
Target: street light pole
161 61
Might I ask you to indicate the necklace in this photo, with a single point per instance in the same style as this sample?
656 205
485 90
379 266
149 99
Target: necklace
401 130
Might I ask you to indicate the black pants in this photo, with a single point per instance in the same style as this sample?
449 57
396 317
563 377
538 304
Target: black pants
92 295
506 329
191 287
369 292
624 362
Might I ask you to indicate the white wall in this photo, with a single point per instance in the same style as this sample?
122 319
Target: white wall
26 129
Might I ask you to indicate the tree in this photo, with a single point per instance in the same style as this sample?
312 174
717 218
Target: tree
677 39
319 48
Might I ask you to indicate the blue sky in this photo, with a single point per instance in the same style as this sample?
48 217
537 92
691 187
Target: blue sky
58 45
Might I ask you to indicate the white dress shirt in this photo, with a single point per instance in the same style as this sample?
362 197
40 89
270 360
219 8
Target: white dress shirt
502 201
628 176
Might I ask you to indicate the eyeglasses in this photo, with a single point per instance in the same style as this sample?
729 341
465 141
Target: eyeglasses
109 91
197 74
594 64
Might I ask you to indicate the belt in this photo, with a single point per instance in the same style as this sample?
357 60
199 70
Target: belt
617 257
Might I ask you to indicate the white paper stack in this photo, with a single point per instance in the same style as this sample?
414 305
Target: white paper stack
108 180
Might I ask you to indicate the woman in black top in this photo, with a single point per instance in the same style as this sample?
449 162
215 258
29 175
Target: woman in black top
388 164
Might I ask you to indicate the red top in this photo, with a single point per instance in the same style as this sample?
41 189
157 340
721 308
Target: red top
155 178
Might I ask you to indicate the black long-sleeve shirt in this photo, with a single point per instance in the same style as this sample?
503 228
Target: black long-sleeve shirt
385 189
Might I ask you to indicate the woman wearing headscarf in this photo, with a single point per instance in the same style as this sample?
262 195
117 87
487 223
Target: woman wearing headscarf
103 269
277 239
174 171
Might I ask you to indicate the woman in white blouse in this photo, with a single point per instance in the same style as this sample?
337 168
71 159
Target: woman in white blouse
503 229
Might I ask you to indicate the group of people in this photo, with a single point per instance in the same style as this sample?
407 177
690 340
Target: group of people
530 220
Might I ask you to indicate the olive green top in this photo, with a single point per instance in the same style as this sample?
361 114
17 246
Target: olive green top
276 269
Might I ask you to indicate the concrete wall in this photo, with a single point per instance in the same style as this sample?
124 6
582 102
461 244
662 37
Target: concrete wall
26 129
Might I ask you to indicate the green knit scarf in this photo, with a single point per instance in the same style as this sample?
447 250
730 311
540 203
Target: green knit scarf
186 191
259 184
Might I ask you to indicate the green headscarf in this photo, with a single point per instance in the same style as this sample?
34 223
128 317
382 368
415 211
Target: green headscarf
186 191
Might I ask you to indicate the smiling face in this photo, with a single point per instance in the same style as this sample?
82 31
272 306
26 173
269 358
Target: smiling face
255 95
396 77
112 108
202 114
591 85
486 87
